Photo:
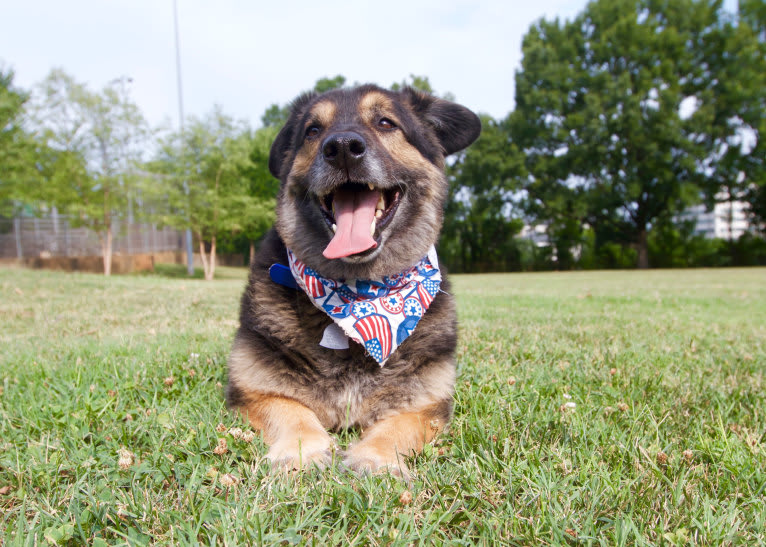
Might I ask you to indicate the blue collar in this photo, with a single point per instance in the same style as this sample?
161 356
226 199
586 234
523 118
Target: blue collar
282 275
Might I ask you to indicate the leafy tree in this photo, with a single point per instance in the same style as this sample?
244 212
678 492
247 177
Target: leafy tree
750 47
204 178
12 142
418 82
262 187
19 151
731 110
421 83
95 139
327 84
479 225
276 115
753 14
599 118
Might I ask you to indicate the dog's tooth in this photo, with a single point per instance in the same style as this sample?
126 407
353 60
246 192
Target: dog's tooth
372 228
334 228
371 187
378 213
381 203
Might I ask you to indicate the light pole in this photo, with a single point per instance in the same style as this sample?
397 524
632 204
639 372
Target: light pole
120 86
189 256
123 82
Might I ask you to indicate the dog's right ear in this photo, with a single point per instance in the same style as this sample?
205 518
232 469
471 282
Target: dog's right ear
284 140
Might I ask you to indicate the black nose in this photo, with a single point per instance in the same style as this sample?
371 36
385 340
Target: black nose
343 150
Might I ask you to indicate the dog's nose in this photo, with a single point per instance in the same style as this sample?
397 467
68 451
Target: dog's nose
343 150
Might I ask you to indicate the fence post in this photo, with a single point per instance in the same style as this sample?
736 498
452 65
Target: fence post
54 243
36 224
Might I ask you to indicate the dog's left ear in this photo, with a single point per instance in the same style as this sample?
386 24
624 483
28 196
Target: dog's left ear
455 126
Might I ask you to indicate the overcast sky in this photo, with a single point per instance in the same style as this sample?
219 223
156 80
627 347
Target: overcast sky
246 55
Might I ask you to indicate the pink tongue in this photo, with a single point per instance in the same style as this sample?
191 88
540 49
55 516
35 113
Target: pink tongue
354 211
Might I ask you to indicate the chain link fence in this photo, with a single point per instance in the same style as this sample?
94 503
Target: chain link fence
33 237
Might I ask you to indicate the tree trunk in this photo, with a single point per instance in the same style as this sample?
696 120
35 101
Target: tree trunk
209 275
642 246
108 251
252 252
107 241
202 255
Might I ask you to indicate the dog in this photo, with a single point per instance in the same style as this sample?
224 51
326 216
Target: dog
346 320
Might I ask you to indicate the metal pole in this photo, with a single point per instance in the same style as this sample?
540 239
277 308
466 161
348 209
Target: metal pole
189 256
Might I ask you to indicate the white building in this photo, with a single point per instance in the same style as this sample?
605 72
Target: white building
728 220
537 234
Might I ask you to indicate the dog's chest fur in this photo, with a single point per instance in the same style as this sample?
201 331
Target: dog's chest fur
280 335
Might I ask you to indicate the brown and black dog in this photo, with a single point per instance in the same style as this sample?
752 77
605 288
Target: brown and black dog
345 150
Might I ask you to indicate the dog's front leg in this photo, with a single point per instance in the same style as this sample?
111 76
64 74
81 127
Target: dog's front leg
385 444
293 432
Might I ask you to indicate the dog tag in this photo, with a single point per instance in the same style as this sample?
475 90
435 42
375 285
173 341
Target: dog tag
334 337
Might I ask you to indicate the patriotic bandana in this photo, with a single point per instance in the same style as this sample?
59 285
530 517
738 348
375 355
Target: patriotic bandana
379 314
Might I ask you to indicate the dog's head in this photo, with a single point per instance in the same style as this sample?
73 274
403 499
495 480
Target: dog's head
362 172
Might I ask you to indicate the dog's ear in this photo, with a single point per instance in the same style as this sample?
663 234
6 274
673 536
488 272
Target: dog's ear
455 126
284 140
279 149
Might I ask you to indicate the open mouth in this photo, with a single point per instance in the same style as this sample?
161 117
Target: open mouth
357 213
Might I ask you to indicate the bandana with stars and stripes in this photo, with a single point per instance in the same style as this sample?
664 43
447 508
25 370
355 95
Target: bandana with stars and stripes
379 314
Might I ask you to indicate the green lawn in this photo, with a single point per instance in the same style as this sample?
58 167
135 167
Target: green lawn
591 407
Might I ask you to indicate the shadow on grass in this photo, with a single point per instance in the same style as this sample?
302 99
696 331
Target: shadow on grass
178 271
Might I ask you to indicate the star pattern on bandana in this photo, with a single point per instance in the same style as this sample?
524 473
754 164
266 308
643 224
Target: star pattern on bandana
379 314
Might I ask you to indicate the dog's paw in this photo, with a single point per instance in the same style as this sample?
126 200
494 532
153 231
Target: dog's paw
296 454
367 461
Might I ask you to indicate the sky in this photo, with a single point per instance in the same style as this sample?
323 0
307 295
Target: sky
246 55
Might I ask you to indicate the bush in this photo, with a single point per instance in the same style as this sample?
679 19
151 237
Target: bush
748 250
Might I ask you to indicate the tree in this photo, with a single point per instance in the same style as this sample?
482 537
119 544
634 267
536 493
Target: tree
753 14
599 114
262 187
276 115
96 138
417 82
731 110
752 32
328 84
18 149
479 224
203 173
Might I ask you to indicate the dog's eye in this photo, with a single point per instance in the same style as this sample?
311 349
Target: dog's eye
385 123
312 131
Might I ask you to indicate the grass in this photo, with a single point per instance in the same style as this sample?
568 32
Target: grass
591 408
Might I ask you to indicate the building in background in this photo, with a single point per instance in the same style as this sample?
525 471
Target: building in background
728 220
536 233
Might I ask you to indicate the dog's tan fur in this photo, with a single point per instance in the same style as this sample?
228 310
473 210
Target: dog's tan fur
286 385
